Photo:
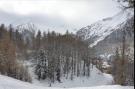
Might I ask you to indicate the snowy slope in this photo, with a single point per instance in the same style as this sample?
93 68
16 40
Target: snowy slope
10 83
101 29
96 78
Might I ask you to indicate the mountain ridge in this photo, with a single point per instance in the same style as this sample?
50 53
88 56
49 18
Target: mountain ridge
98 31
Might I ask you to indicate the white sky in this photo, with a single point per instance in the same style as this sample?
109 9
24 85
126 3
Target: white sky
58 15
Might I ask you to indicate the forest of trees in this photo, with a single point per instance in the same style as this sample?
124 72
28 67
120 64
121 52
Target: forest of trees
9 64
61 55
55 55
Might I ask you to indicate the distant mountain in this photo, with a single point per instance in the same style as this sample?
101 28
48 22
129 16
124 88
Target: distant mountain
28 26
98 31
27 30
105 35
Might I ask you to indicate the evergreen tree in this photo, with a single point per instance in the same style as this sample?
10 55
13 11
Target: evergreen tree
41 65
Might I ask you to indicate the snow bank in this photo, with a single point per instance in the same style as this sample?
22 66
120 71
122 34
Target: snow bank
10 83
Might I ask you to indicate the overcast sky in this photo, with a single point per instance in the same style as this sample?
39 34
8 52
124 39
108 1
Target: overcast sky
58 15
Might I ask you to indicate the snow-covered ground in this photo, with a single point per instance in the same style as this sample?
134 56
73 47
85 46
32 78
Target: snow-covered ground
97 78
10 83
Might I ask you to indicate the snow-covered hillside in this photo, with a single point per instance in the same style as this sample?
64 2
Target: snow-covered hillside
10 83
101 29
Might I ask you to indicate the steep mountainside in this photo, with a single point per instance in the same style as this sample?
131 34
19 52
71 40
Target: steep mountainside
98 31
105 35
109 44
